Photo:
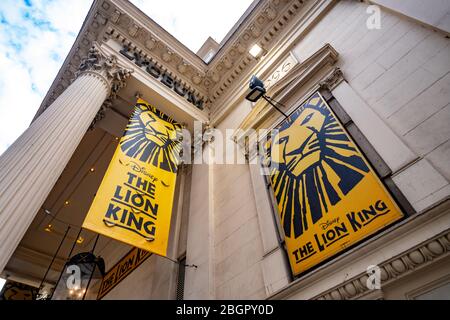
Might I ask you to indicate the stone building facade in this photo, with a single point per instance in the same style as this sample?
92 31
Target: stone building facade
389 84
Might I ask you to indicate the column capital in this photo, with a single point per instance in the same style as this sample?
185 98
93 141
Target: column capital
334 78
106 67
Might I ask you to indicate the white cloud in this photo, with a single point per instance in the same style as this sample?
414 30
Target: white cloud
192 22
18 102
34 40
36 36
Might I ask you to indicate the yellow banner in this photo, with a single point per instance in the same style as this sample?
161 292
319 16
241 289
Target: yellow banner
134 201
328 196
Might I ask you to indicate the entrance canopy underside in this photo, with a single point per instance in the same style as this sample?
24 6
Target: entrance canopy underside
69 201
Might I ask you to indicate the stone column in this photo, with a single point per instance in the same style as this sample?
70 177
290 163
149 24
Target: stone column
30 167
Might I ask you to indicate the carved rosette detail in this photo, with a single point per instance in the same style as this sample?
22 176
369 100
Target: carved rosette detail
270 12
150 43
182 67
255 31
108 69
391 270
196 79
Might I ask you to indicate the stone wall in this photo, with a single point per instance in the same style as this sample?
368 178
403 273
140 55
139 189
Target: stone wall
397 77
401 72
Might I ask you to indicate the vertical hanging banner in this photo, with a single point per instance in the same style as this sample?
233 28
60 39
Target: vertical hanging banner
328 196
134 201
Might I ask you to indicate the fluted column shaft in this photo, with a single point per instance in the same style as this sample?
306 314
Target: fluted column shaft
30 167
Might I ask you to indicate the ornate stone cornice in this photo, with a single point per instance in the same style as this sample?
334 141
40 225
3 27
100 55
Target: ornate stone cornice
265 23
393 269
165 58
263 26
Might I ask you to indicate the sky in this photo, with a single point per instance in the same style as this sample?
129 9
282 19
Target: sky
36 36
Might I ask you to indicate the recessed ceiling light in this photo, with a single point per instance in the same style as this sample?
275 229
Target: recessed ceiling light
255 51
66 202
48 228
92 169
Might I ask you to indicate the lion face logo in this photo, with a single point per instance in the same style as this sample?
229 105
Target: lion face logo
152 137
300 157
314 166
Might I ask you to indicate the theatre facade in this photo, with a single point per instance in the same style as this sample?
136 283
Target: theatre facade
334 184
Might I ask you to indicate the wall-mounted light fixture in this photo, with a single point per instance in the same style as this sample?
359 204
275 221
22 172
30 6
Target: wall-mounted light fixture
257 90
77 275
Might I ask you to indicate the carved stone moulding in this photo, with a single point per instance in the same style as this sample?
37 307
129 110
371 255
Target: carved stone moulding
333 80
166 59
418 257
263 29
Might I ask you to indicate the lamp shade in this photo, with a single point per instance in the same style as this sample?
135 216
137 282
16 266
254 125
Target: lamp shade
256 89
79 275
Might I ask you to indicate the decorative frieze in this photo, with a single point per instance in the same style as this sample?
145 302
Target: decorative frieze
435 248
133 29
270 12
163 75
150 44
112 19
263 27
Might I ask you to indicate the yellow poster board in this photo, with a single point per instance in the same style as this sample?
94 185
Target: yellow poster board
328 196
134 201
